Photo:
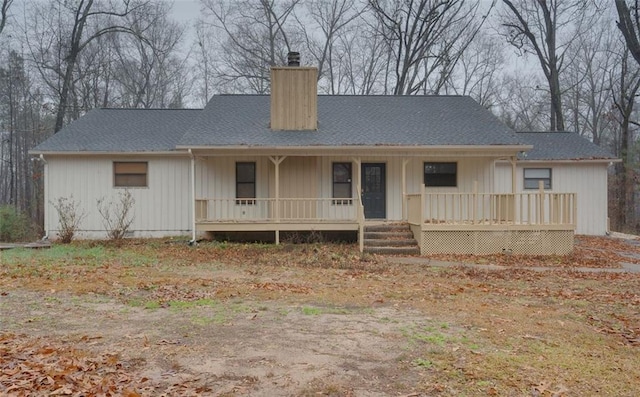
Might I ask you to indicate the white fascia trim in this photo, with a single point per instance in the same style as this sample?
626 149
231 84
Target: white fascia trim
180 153
377 149
576 161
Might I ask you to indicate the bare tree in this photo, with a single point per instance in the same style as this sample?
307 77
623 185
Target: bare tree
629 25
522 105
149 73
60 32
426 39
253 37
588 81
4 13
625 86
478 70
546 29
330 18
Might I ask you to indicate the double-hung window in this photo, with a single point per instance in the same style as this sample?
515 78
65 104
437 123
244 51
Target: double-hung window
130 173
245 182
532 176
342 183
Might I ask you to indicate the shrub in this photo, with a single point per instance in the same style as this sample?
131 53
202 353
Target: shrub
69 217
14 225
117 216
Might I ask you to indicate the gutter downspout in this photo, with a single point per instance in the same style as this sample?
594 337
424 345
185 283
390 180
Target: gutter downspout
193 198
46 197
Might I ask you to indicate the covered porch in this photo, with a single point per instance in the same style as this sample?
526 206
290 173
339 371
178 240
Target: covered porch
302 191
284 193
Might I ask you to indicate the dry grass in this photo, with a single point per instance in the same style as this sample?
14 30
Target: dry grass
475 332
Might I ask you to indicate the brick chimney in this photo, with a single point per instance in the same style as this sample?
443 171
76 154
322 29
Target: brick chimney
294 96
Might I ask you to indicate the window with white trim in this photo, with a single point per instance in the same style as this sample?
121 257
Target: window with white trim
438 174
130 173
245 182
342 183
534 175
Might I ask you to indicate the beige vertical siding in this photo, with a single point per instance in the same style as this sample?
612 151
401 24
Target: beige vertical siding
469 170
163 208
588 180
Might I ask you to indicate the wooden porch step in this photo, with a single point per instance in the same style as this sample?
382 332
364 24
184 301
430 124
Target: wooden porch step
398 235
390 239
405 242
393 250
387 227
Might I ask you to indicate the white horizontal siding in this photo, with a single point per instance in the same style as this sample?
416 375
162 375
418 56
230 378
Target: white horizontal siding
163 208
587 180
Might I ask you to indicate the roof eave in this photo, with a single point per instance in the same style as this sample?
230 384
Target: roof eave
107 153
376 148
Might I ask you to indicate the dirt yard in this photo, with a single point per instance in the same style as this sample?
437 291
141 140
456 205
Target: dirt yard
152 318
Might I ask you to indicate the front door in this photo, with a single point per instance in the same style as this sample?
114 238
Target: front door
374 190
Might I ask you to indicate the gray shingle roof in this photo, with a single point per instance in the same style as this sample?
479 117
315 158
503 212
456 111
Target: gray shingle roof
243 120
562 146
230 120
122 130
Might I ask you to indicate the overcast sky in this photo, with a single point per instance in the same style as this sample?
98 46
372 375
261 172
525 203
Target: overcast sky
186 10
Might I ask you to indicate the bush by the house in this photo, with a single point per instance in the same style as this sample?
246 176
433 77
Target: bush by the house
70 215
14 225
117 215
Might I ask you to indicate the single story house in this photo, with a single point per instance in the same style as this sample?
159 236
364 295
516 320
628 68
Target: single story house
297 161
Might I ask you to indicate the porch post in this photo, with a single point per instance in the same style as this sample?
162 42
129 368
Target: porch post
512 160
193 197
359 214
404 188
276 160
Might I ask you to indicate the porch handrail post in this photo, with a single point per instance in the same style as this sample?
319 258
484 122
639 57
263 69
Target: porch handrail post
404 188
475 202
423 203
276 160
541 202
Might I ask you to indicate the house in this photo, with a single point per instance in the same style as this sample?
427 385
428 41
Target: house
298 161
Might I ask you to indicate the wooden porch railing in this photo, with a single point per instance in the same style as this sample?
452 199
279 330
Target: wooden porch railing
492 209
277 210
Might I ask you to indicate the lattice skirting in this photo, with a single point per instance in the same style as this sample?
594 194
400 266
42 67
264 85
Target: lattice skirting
482 242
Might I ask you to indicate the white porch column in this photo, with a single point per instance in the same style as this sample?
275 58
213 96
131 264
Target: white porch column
276 160
360 214
512 160
404 188
358 174
193 197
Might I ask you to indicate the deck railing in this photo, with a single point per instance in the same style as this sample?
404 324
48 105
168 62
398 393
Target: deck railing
492 209
277 210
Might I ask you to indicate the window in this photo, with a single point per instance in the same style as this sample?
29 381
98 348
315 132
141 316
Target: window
245 182
342 183
441 174
533 175
130 174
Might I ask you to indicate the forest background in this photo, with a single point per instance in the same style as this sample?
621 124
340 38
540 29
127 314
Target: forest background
538 65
